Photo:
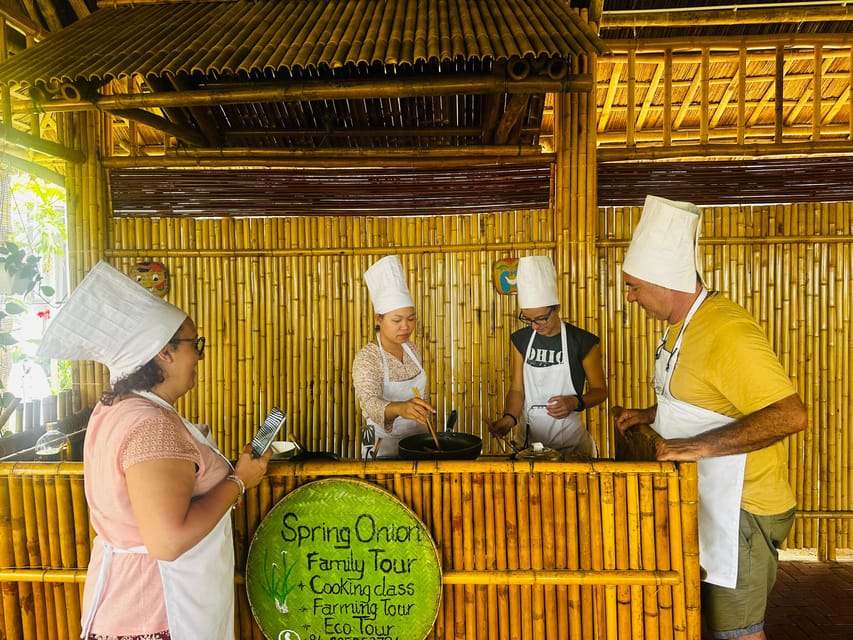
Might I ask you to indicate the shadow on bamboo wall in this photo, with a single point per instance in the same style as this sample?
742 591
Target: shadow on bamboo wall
791 267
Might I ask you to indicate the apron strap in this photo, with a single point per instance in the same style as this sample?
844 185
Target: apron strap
106 561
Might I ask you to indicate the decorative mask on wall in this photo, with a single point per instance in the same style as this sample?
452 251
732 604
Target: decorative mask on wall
503 275
153 276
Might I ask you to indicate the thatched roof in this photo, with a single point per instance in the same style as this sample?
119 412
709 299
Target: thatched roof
308 74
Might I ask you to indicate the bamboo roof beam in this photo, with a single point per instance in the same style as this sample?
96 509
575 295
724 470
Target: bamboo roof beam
319 90
779 97
805 99
715 82
731 42
649 97
27 141
333 158
732 15
490 113
38 170
689 97
817 87
612 86
631 119
176 115
391 132
596 10
725 99
741 96
201 114
724 150
80 8
704 109
803 53
837 106
770 93
667 97
826 104
512 117
189 136
51 17
691 134
21 23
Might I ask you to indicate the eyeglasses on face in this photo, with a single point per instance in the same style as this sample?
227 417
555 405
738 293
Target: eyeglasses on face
198 342
538 320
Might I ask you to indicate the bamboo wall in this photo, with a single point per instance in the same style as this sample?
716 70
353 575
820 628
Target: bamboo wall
283 321
283 305
544 550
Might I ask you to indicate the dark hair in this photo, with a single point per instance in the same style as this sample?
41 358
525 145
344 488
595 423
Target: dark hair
143 379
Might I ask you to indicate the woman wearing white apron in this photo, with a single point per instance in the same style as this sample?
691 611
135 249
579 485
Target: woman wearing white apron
387 372
557 370
159 492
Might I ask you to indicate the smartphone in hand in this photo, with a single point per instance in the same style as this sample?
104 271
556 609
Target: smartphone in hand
268 432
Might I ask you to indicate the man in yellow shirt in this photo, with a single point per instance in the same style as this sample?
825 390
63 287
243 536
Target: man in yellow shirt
724 400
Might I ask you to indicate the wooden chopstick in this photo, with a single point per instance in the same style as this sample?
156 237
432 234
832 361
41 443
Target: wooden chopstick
428 422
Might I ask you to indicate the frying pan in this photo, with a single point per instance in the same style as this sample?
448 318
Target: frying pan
454 446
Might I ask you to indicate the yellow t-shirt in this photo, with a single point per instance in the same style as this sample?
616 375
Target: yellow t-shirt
726 365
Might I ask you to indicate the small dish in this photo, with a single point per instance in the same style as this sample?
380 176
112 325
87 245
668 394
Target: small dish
282 449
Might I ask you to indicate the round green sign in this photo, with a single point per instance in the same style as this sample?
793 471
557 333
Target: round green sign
342 559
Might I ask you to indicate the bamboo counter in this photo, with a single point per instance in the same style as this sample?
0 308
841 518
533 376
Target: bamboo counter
529 549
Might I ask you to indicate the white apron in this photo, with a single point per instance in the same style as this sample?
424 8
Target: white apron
568 435
388 442
720 478
198 587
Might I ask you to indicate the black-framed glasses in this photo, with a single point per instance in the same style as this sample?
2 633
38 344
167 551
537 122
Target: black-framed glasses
538 320
197 342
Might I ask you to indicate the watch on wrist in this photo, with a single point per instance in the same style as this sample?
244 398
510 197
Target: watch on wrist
581 404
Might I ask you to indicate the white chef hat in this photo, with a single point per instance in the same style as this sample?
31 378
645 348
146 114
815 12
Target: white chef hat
536 280
386 282
664 249
113 320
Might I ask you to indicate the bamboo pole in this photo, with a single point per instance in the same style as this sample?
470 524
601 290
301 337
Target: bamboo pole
296 91
19 547
35 550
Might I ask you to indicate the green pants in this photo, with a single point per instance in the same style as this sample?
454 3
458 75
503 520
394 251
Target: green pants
732 613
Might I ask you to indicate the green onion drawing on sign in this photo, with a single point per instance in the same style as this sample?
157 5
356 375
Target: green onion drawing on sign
343 559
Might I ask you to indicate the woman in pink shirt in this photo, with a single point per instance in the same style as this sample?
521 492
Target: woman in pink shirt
159 491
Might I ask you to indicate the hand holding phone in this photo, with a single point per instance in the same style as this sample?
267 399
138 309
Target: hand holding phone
268 432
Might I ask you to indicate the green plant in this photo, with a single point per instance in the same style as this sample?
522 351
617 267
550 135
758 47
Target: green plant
22 273
20 278
37 237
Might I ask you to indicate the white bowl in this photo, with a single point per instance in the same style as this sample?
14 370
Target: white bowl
282 448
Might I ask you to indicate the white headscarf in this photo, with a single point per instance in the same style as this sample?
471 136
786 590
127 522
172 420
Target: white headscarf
113 320
386 282
664 249
536 280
